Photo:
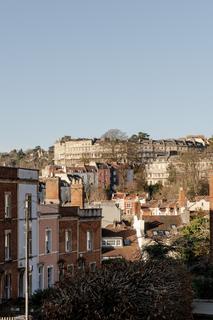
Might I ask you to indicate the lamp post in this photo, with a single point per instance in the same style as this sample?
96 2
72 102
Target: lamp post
27 204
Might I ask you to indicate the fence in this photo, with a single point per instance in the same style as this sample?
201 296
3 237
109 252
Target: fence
15 318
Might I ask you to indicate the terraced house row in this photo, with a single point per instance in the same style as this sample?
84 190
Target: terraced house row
60 238
69 151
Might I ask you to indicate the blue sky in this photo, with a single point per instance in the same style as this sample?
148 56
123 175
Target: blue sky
82 67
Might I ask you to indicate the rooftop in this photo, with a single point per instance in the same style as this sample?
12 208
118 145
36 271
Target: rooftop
69 211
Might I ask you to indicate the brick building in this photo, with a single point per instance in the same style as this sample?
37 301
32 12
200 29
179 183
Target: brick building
48 246
8 234
17 185
70 238
132 205
104 175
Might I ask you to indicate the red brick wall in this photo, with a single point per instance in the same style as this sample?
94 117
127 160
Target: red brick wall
69 258
10 268
95 254
103 178
8 173
53 190
9 224
77 195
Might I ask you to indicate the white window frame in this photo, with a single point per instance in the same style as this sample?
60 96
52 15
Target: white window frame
49 285
68 240
118 243
48 241
8 289
30 242
8 204
28 202
7 245
40 277
89 240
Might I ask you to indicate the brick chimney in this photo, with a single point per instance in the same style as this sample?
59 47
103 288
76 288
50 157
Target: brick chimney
77 193
211 215
53 190
182 201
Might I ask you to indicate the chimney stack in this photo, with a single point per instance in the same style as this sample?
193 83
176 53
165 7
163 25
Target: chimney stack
77 193
211 214
53 190
182 201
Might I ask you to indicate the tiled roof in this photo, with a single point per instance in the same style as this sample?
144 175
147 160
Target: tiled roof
130 252
162 222
198 198
124 232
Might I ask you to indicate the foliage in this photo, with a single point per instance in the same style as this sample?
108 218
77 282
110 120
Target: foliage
37 300
36 158
153 290
203 287
65 138
153 190
186 173
139 136
115 263
202 280
140 177
158 250
172 171
193 243
203 187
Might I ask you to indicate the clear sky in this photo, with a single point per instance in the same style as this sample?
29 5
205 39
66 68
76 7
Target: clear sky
81 67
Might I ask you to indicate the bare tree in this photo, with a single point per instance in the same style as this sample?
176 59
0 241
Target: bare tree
114 143
114 134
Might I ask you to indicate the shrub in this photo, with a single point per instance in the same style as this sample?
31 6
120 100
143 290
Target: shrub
153 290
203 287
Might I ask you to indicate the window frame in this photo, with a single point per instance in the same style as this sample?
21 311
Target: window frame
89 235
41 277
8 289
7 205
68 241
52 276
48 249
28 202
7 249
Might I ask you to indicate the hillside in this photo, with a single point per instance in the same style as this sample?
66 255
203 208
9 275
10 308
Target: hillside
36 158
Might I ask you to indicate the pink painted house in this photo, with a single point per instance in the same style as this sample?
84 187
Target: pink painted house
48 272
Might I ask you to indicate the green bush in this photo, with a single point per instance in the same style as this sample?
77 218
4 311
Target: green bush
203 287
202 283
